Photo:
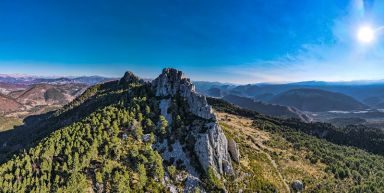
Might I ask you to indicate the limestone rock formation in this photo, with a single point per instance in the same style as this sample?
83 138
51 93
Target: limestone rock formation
211 146
212 149
172 82
233 150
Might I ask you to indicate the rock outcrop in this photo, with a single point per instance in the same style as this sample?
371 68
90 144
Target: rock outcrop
297 186
172 82
212 149
233 150
211 146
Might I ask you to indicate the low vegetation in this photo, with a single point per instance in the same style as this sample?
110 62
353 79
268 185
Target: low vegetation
321 165
7 123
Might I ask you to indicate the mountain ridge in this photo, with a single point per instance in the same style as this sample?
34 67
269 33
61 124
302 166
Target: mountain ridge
316 100
267 109
190 120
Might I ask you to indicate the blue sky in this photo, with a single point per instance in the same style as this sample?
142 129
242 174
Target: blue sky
242 41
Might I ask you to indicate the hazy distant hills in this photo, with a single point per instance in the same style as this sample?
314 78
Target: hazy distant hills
28 79
22 100
377 102
369 93
344 102
267 109
8 104
316 100
22 95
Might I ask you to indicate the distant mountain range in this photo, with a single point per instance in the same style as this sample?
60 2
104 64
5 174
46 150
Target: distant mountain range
23 95
29 79
369 93
314 100
21 100
267 109
356 102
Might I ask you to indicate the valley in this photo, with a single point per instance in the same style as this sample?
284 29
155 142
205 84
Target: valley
285 154
23 96
342 104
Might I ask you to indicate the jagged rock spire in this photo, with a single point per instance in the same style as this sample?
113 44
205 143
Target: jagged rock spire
172 82
211 147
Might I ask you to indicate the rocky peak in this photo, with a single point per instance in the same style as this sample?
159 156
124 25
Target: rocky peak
129 77
172 82
211 146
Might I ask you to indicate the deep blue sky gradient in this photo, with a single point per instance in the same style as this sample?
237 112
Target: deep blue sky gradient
210 40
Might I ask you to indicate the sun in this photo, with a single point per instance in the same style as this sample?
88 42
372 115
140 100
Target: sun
366 34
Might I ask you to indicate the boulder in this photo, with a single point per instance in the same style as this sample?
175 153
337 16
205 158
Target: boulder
297 186
146 137
233 150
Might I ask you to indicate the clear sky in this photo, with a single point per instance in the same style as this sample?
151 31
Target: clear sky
242 41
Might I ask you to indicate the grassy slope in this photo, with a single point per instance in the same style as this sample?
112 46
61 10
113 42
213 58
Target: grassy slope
281 155
268 153
7 123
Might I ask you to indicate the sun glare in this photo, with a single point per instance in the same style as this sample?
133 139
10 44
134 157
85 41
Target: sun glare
366 34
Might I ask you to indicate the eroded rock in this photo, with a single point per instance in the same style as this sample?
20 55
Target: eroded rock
172 82
211 146
233 150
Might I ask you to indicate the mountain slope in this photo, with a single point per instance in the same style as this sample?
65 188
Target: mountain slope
29 79
43 94
317 100
267 109
284 151
122 136
8 104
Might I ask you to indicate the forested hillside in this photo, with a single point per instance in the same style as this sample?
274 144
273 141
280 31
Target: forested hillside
121 137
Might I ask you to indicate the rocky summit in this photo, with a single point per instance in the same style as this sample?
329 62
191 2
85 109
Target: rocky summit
211 146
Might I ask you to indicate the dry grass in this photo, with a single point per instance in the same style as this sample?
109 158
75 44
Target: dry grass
7 123
281 164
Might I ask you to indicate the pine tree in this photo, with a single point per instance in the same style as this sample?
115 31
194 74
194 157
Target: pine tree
163 124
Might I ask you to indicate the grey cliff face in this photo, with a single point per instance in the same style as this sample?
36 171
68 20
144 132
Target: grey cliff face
172 82
212 151
211 147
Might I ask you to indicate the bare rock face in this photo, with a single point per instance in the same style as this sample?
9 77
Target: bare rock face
172 82
234 150
211 146
212 149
